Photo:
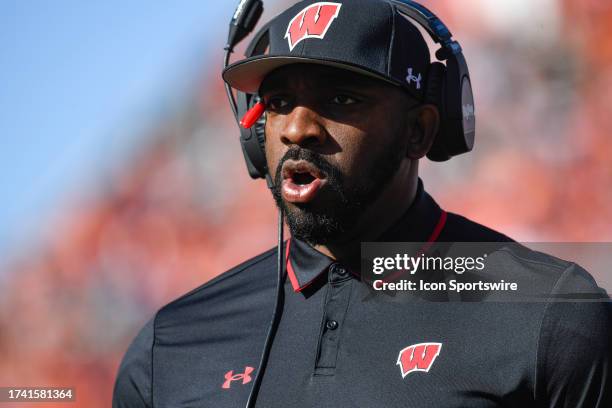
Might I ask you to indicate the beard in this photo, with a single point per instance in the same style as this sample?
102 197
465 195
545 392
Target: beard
329 221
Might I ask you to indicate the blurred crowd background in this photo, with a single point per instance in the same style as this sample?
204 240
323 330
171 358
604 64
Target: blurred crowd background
178 207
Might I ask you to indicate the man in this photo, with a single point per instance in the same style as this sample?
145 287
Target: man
342 145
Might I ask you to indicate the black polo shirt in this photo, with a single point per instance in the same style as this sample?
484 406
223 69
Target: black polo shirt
339 346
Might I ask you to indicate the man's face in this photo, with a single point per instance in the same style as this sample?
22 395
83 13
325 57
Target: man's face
334 139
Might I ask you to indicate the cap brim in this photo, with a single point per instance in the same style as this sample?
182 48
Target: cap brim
248 74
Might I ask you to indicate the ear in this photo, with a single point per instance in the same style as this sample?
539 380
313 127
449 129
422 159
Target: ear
424 131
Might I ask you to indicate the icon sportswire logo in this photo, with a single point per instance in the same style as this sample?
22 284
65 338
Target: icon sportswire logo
312 22
418 357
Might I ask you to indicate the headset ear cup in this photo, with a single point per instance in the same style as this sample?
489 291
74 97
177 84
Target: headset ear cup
258 131
434 94
252 140
259 128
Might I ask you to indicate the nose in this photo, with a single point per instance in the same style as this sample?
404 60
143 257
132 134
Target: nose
303 127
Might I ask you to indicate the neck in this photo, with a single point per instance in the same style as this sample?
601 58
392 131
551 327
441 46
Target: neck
395 199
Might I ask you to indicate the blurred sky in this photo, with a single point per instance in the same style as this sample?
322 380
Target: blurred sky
72 85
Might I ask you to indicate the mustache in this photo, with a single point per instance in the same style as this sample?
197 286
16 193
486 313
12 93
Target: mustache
333 174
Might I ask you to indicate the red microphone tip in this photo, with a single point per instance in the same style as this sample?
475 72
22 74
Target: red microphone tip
252 115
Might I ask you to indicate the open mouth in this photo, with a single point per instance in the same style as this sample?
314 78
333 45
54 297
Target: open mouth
302 178
302 181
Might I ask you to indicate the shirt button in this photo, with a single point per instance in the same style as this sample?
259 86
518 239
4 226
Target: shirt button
338 269
331 324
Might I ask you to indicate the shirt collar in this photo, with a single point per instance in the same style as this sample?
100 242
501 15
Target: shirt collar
422 222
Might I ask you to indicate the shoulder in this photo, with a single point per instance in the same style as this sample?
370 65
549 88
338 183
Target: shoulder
133 382
573 316
178 319
574 354
250 272
549 274
538 274
461 229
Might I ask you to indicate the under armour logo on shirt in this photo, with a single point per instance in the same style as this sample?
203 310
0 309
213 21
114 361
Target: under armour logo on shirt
416 78
230 376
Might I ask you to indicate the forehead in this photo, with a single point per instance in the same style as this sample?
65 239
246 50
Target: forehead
315 77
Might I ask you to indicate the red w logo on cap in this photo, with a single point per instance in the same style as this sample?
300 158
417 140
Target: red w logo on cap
311 22
418 357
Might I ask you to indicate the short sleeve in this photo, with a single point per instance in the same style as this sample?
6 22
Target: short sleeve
574 367
133 383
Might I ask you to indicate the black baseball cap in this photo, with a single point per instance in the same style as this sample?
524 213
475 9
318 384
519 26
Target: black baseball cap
369 37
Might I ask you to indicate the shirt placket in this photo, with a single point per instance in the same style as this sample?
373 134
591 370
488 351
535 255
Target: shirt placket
334 312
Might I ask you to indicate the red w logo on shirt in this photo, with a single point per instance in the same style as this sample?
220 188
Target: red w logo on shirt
311 22
418 357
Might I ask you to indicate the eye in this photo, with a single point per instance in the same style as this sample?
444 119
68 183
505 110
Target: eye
344 100
276 103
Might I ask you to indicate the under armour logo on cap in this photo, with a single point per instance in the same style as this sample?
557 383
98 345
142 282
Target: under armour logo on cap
416 78
312 22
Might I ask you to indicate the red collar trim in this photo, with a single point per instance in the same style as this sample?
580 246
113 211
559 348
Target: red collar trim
438 228
294 281
290 271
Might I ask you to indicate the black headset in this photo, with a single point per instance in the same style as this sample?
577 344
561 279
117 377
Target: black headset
448 88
